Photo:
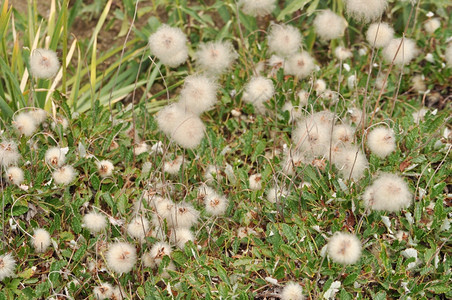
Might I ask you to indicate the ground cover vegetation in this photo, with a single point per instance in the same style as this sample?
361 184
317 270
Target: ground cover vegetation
225 149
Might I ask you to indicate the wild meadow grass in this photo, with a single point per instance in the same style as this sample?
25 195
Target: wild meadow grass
226 149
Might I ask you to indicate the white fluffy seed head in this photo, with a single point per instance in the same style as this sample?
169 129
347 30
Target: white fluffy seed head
215 57
312 135
169 44
9 155
388 192
41 240
258 90
215 204
104 291
292 291
105 168
419 83
365 10
344 248
257 8
402 55
448 55
38 114
276 194
300 64
64 175
355 115
329 25
173 166
284 40
140 148
7 266
342 53
350 162
94 222
159 250
255 181
168 116
44 63
189 132
381 141
319 86
14 175
198 95
185 215
180 236
121 257
138 227
343 133
379 34
431 25
25 123
55 157
185 129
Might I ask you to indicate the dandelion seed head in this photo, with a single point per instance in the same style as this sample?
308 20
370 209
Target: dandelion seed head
215 204
343 133
381 141
342 53
121 257
379 34
255 182
388 192
258 90
351 162
173 166
284 40
292 291
257 8
94 222
9 155
44 63
138 228
7 266
55 157
64 175
329 26
38 114
344 248
41 240
14 175
159 250
169 45
198 95
365 10
103 291
180 236
404 54
105 168
431 25
25 123
300 65
215 57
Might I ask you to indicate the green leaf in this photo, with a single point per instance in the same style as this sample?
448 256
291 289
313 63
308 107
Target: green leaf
19 210
26 274
79 253
291 8
350 279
